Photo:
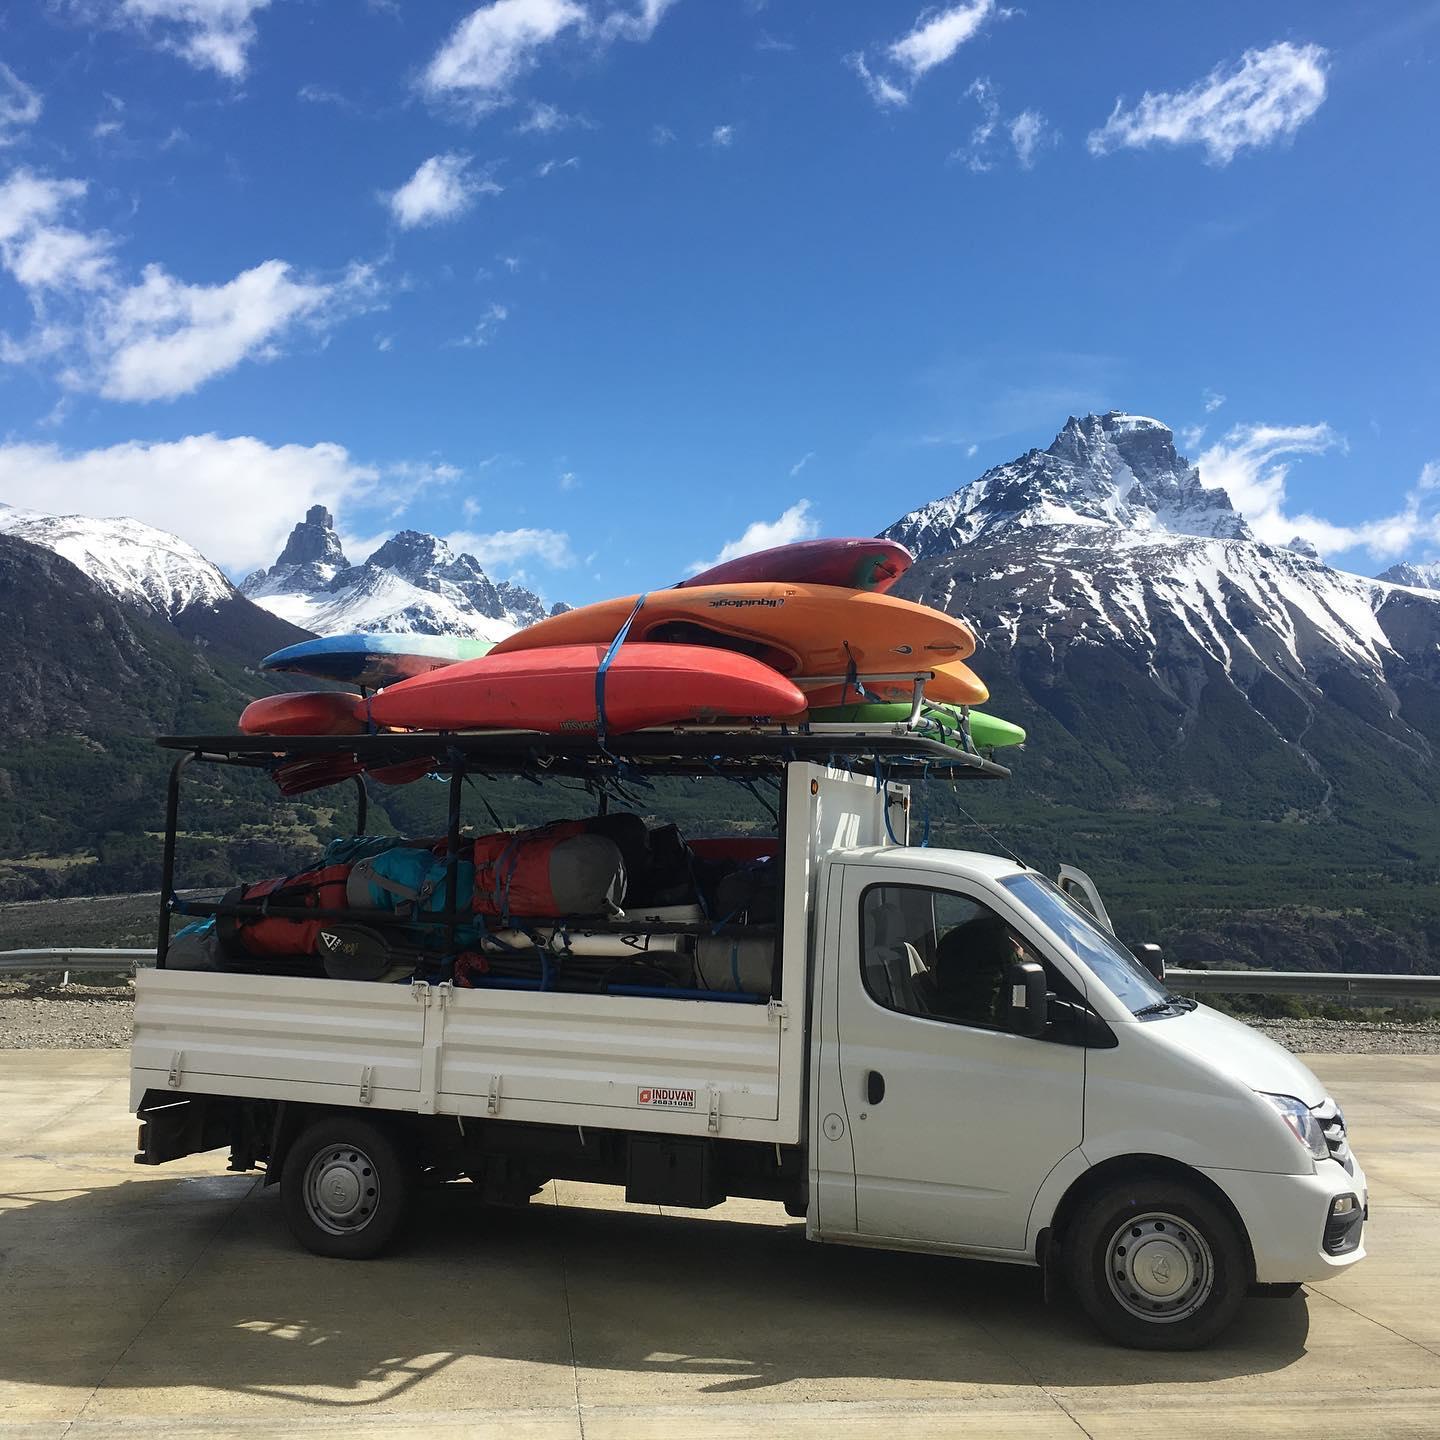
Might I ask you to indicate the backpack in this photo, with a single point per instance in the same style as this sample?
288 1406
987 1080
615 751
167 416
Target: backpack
319 889
406 881
559 869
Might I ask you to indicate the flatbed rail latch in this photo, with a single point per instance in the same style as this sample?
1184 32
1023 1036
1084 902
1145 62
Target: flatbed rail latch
714 1122
776 1012
177 1069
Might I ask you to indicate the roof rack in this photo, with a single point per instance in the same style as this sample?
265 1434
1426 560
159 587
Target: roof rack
690 751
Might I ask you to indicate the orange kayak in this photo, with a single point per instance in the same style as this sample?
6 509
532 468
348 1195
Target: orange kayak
802 630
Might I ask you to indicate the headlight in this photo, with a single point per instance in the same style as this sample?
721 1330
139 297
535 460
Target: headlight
1302 1122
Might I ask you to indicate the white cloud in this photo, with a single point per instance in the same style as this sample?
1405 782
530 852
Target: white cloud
1213 400
801 463
549 167
1027 132
933 39
544 119
235 497
722 136
163 338
323 95
504 550
1253 462
971 451
156 338
442 188
1267 96
489 322
490 50
638 23
19 105
494 46
661 135
36 248
1191 435
210 34
796 523
569 481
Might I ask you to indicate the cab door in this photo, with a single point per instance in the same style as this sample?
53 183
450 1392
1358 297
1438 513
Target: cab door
954 1121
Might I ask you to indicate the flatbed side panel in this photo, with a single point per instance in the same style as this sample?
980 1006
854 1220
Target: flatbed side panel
630 1057
322 1033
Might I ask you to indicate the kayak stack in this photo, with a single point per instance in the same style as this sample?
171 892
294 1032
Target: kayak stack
803 635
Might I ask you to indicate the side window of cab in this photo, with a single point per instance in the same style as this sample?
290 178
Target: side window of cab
939 954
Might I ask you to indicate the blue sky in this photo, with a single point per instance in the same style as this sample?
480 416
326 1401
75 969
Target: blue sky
597 286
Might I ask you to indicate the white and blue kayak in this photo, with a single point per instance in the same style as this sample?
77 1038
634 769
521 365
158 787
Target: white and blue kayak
374 660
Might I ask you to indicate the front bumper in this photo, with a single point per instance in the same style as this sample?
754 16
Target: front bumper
1286 1217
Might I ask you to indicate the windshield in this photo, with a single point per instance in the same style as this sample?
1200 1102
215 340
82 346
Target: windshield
1108 960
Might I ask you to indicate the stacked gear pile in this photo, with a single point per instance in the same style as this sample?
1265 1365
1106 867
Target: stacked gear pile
602 904
803 636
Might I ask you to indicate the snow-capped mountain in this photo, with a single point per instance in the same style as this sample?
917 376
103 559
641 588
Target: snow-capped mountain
1117 595
1418 577
413 582
1103 472
137 564
158 574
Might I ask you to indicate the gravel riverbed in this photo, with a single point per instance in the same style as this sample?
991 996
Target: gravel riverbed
38 1014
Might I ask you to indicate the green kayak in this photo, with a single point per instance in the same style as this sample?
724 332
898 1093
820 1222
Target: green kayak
988 732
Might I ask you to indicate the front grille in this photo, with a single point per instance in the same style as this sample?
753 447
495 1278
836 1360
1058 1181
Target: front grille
1332 1126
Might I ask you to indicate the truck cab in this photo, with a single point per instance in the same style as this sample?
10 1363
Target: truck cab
997 1075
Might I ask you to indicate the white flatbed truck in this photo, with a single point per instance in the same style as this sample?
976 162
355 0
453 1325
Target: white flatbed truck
1028 1092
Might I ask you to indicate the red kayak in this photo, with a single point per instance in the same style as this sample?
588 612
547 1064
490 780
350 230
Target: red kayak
305 712
848 564
553 690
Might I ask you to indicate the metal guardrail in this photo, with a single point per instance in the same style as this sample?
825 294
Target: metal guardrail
1305 982
68 959
1231 982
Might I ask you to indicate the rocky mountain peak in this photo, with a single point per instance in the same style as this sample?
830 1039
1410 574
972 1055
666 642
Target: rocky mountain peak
314 542
1418 577
1117 471
412 582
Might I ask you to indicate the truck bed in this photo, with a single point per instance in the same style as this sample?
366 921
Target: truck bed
620 1062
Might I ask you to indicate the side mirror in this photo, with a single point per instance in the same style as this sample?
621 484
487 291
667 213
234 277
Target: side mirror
1152 959
1027 1001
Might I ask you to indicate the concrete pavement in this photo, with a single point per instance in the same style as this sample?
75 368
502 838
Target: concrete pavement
173 1302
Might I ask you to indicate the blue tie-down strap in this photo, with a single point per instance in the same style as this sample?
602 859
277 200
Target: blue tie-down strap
604 668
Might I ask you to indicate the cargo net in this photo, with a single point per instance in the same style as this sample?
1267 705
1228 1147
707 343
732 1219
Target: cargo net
606 904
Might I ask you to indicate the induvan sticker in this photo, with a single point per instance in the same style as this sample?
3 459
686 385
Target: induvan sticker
656 1097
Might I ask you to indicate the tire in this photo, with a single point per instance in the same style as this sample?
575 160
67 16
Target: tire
345 1187
1156 1265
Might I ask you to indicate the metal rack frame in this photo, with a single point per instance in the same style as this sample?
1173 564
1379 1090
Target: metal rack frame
694 752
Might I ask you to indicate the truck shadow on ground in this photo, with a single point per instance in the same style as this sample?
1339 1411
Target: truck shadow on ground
156 1283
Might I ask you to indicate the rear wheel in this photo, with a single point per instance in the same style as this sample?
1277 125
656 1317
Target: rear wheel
1157 1265
345 1187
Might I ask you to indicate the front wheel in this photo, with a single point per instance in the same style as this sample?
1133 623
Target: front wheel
345 1186
1157 1265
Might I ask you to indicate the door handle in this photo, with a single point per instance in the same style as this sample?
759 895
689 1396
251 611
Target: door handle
874 1087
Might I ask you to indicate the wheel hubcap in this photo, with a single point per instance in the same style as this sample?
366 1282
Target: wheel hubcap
1159 1268
341 1190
